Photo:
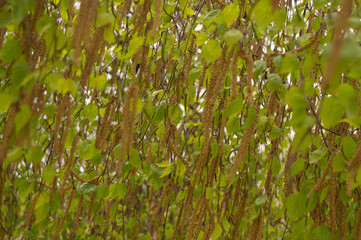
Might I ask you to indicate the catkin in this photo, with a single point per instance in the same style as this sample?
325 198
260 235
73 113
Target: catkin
2 36
354 166
160 202
194 216
8 128
357 227
69 165
91 204
249 62
157 16
31 209
243 147
189 59
102 129
92 51
234 82
87 14
107 215
125 9
60 225
77 215
142 17
319 185
58 119
201 79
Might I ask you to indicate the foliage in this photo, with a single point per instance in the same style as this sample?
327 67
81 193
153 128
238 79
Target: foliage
212 119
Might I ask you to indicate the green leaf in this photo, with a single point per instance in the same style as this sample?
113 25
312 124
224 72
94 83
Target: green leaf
35 154
67 85
230 13
296 99
134 45
274 82
135 159
104 18
348 147
318 155
261 200
13 155
166 171
175 113
102 191
22 117
211 15
211 51
49 174
258 67
275 133
5 19
19 73
289 63
297 166
232 36
217 231
201 38
209 193
296 205
234 107
86 188
6 100
331 111
98 82
339 163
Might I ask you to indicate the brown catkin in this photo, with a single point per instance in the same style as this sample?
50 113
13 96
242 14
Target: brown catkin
2 36
103 126
31 209
77 215
60 225
338 33
189 59
287 179
107 204
166 203
234 82
91 50
238 217
69 165
319 185
249 62
8 128
157 16
58 119
333 207
133 115
200 217
193 218
86 17
243 147
353 167
201 79
125 9
160 202
53 189
208 4
142 17
91 205
357 227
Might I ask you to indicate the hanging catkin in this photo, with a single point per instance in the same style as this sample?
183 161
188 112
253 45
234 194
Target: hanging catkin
249 62
125 9
77 215
6 135
234 83
142 17
2 36
86 17
157 16
201 79
354 166
243 147
31 208
91 51
60 225
103 127
189 59
69 165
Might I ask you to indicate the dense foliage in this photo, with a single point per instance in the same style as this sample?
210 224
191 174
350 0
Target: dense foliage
165 119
